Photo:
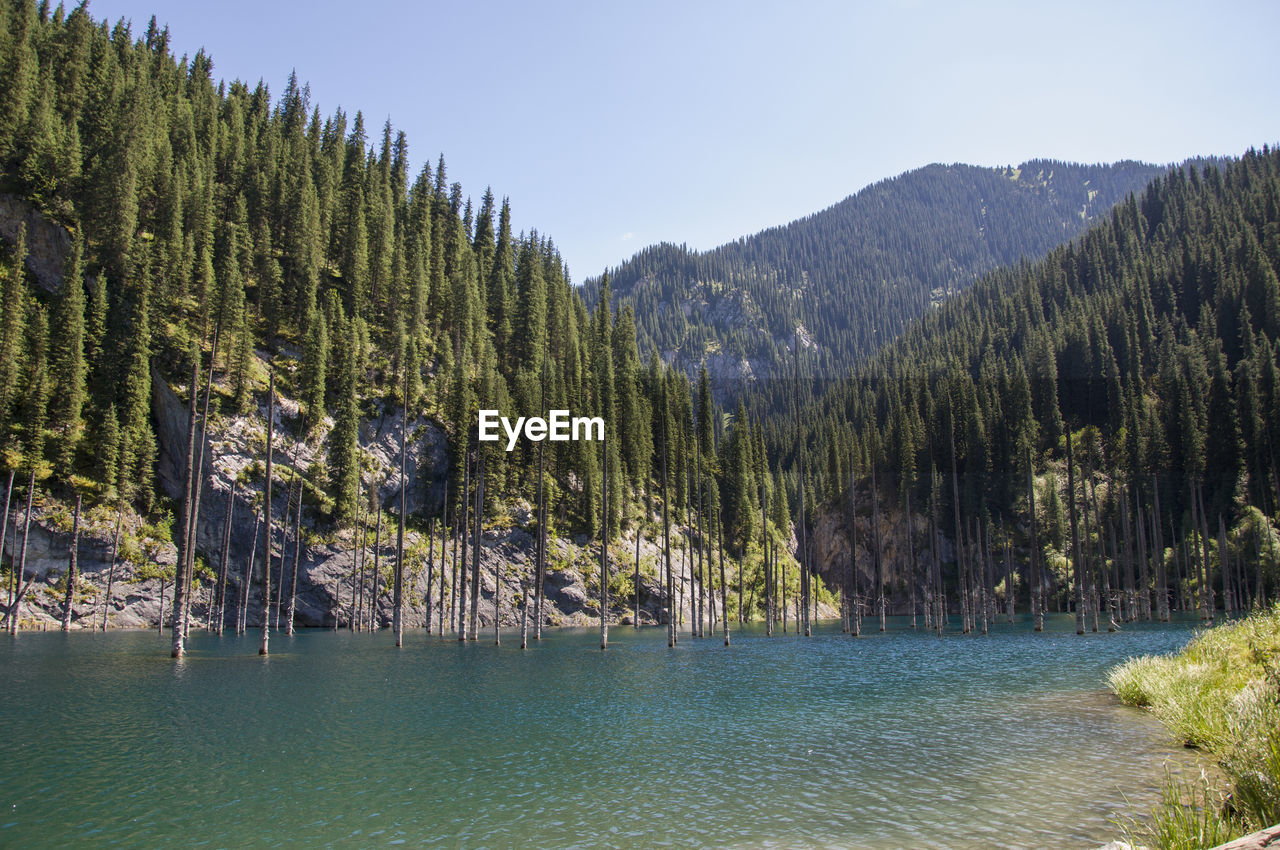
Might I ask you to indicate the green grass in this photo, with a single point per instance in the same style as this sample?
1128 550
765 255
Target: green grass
1221 694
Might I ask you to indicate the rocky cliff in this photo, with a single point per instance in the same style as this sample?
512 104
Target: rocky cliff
232 452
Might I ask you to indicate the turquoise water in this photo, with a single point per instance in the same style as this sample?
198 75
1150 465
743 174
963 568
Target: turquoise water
899 739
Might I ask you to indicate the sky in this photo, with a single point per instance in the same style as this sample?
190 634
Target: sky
614 126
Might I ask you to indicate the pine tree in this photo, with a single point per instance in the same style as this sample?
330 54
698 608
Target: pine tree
69 364
344 453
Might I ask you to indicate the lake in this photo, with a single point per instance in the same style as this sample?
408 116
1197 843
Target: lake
900 739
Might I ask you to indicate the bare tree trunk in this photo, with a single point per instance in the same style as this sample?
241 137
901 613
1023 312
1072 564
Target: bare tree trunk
1038 589
466 527
703 568
524 615
397 616
242 612
297 560
357 588
15 608
12 584
111 570
266 512
1075 537
540 550
1207 606
431 570
374 596
476 541
911 561
1162 581
160 617
1009 577
219 621
724 588
1228 593
636 579
666 540
1144 573
188 525
983 564
444 563
604 553
73 572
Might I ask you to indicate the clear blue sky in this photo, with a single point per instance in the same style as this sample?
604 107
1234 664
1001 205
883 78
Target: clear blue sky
615 126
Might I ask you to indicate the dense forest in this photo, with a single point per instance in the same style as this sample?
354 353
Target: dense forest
213 231
1103 420
1111 411
857 274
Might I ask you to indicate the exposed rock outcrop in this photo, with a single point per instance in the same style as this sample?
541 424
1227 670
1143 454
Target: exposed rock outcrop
47 243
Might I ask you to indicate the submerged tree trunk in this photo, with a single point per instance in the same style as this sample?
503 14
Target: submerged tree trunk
476 540
1162 581
266 513
540 550
397 615
16 607
374 625
242 612
111 570
724 588
466 528
524 615
666 533
73 572
1038 601
604 554
431 571
187 539
219 621
12 584
1076 565
297 560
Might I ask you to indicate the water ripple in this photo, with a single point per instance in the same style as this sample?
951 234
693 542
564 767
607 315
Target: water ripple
891 740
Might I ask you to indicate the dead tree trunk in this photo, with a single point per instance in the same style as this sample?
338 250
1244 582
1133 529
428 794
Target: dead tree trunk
12 584
466 527
187 538
476 540
1162 581
220 620
266 512
16 607
604 553
111 570
73 572
397 615
242 608
1076 566
1038 589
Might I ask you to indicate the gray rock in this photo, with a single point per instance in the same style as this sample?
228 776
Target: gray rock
47 243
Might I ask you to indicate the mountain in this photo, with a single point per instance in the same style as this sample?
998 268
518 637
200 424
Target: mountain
1133 374
856 274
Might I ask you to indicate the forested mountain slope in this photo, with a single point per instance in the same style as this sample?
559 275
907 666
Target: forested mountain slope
1153 341
858 273
157 223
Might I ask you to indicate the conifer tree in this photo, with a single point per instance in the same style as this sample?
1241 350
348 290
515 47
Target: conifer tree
68 364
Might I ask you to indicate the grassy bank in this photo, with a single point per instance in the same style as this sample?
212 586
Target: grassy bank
1220 694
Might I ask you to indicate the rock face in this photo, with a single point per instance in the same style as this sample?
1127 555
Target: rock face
135 594
233 452
831 549
47 243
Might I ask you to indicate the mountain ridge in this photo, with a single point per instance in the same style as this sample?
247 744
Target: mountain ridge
859 271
